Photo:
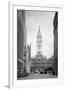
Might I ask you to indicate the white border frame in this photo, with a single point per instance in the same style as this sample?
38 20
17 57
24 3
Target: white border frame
13 82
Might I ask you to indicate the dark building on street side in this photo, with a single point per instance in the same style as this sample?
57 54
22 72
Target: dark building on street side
20 33
21 43
55 24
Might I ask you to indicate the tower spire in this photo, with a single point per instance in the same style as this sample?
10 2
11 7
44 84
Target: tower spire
39 40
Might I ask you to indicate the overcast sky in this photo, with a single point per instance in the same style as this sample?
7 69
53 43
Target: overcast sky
45 20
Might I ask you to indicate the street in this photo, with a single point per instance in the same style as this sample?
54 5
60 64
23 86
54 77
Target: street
38 76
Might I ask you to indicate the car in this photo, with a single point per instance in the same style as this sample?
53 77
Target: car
41 72
49 70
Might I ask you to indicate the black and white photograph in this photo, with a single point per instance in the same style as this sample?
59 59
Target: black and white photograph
37 44
33 45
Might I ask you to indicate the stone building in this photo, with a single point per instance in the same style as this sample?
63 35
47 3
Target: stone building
20 32
55 24
40 64
21 43
28 58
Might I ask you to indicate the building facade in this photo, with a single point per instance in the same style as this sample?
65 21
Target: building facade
40 64
55 24
21 44
20 33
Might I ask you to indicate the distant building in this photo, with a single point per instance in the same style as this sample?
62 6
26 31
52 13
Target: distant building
40 63
39 42
28 57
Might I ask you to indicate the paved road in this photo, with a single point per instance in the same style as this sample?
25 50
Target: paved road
38 76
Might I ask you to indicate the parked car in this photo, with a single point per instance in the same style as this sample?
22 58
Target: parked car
49 70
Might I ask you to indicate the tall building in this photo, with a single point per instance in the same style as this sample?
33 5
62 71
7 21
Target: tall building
39 41
55 24
20 33
28 58
39 45
21 43
38 62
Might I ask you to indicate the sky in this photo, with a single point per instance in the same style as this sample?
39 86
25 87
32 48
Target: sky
44 19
